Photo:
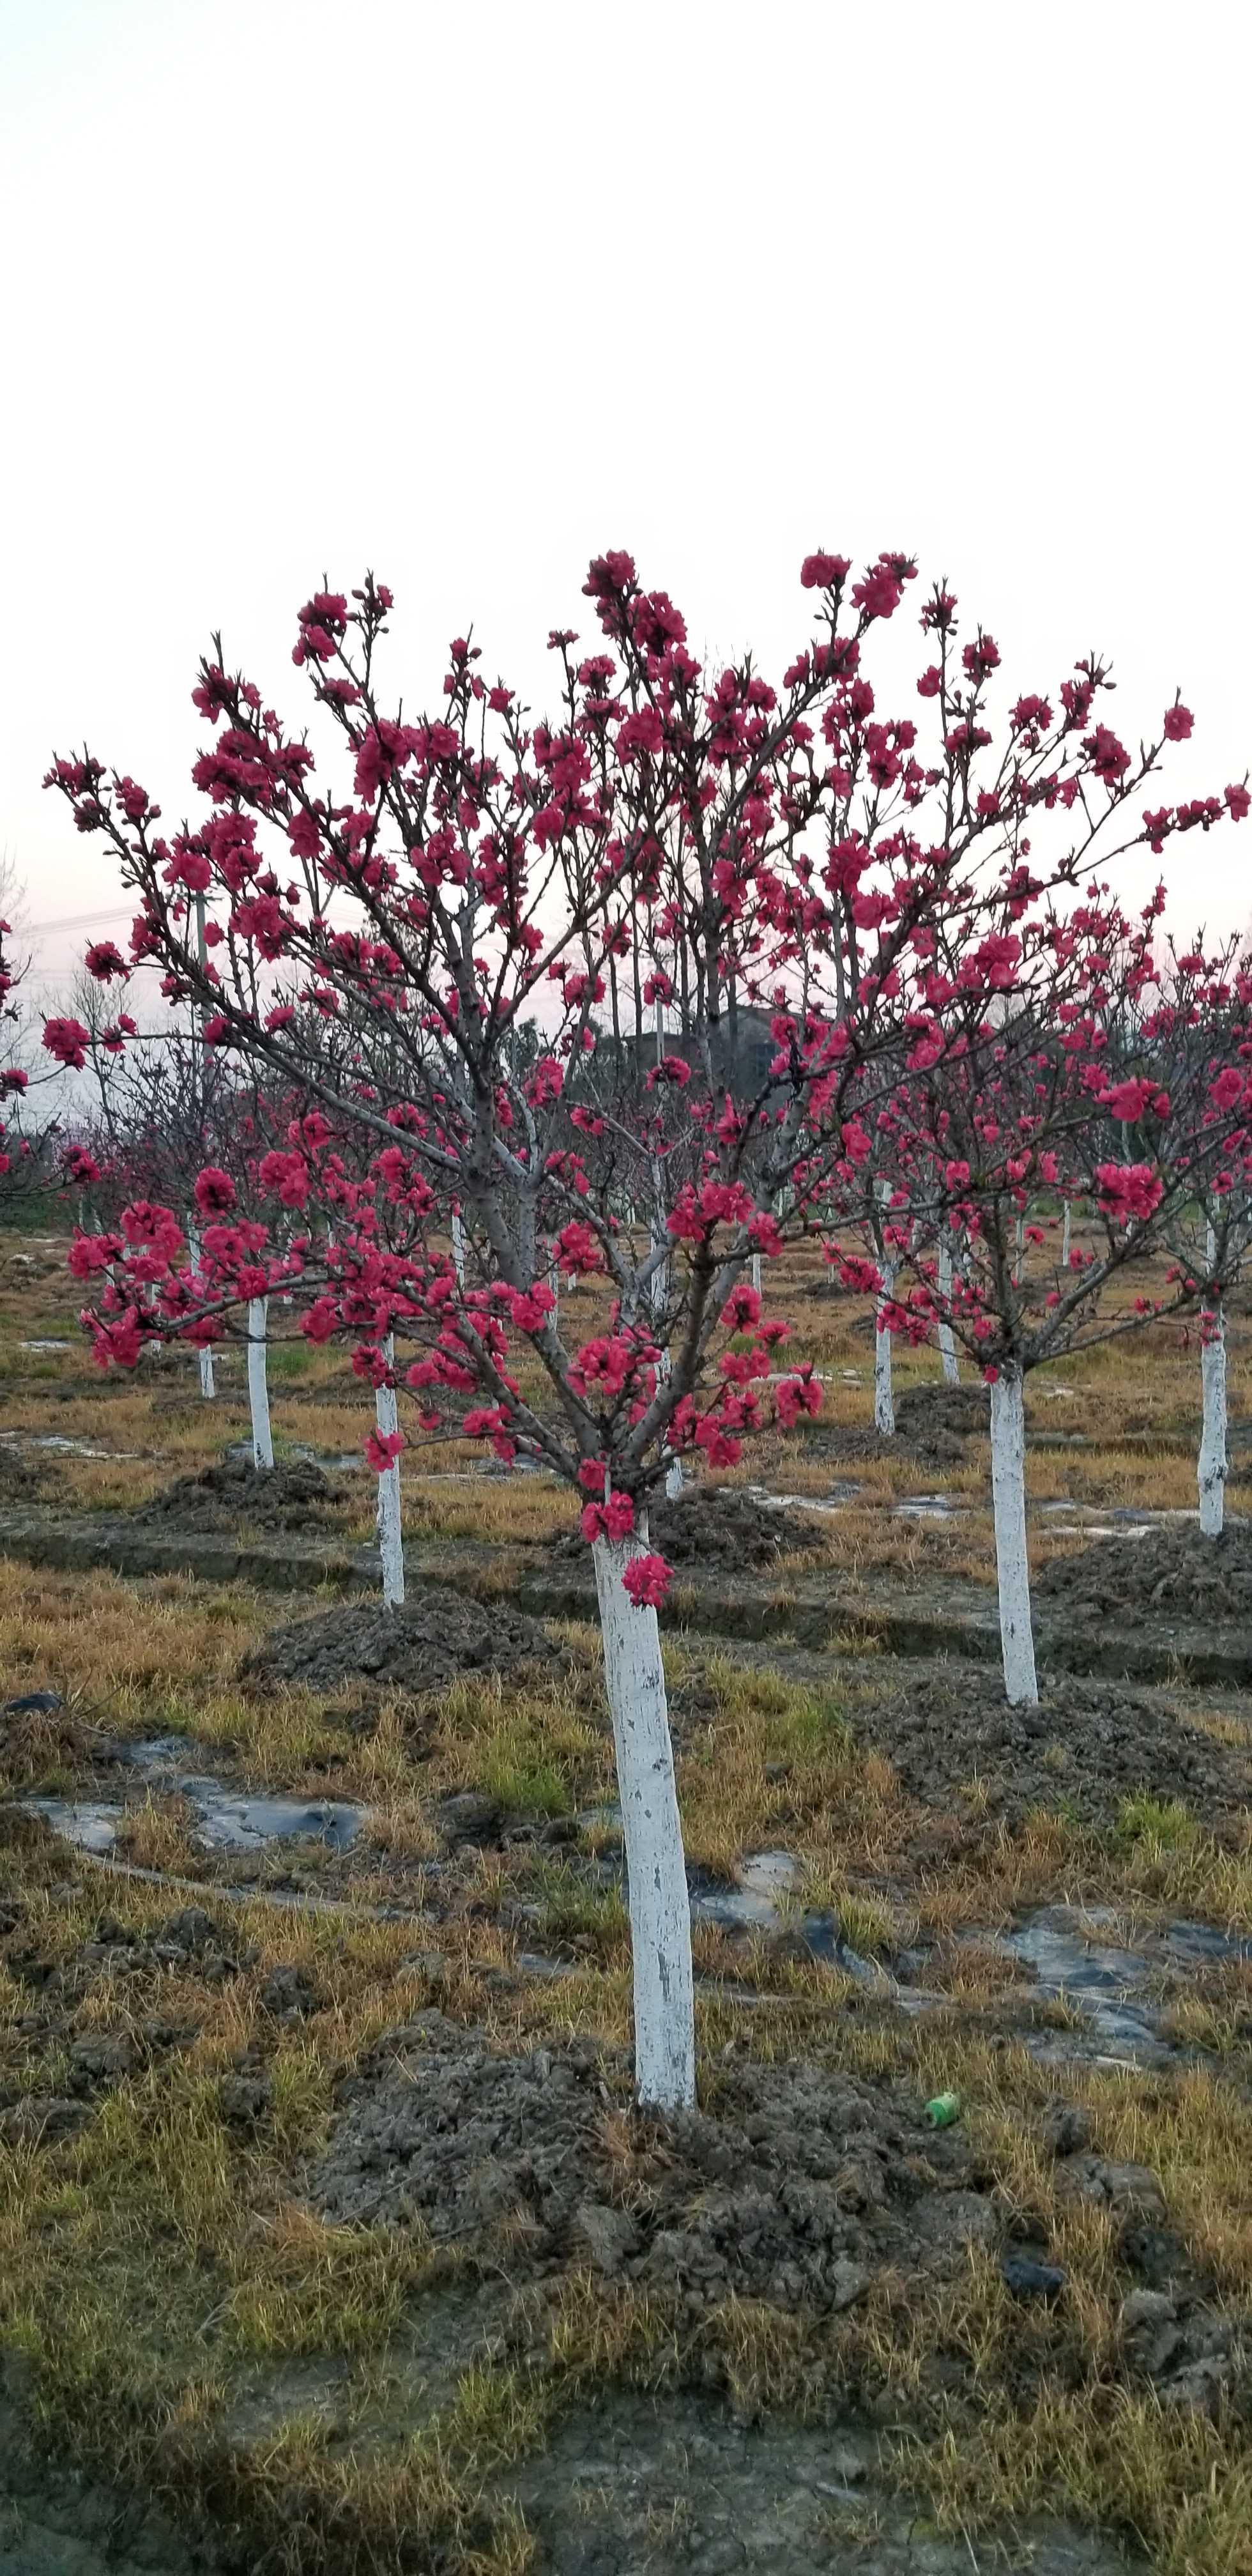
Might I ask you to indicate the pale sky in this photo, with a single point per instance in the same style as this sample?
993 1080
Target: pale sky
468 294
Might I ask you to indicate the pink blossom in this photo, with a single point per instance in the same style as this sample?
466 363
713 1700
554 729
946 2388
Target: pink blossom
614 1519
647 1579
531 1307
672 1069
1129 1100
66 1040
1178 724
286 1177
822 571
213 1191
797 1395
144 1222
382 1450
1128 1190
640 731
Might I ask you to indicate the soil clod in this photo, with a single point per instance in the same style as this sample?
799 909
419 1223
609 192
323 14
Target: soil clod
217 1499
431 1640
1172 1572
1088 1749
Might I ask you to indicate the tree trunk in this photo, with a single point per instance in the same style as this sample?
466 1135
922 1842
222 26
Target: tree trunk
884 1405
947 1345
660 1303
390 1539
1066 1230
458 1250
1008 1492
258 1390
205 1356
756 1272
1211 1469
660 1913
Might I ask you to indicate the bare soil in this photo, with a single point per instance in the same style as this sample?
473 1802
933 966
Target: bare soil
1090 1745
216 1500
934 1427
432 1638
798 2187
1173 1571
710 1529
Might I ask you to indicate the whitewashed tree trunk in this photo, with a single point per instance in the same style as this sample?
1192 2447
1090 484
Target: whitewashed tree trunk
1008 1493
458 1251
205 1356
756 1272
660 1913
1066 1231
658 1237
884 1402
947 1345
674 1471
390 1538
258 1389
1211 1470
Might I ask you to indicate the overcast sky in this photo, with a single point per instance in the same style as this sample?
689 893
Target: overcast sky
467 294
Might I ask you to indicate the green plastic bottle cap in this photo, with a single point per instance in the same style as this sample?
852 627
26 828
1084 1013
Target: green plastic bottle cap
945 2108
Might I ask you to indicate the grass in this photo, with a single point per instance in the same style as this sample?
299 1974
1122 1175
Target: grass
355 2398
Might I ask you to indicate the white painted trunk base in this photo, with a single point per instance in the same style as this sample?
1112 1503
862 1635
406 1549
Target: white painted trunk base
947 1346
660 1914
205 1357
458 1252
1008 1493
884 1402
1211 1470
390 1538
1067 1227
756 1272
674 1471
258 1389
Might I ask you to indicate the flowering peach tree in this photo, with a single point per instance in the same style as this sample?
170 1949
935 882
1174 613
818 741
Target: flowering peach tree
443 936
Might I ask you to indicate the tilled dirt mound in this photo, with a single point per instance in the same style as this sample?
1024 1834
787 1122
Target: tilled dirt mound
430 1641
943 1412
934 1427
299 1497
1087 1748
796 2189
1173 1573
714 1529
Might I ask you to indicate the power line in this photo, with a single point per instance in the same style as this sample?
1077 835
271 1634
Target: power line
79 921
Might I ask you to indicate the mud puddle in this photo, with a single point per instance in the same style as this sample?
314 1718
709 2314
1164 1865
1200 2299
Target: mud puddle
56 1444
226 1820
1120 1992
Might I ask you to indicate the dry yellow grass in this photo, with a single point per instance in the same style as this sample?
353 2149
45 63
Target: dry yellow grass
157 2271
